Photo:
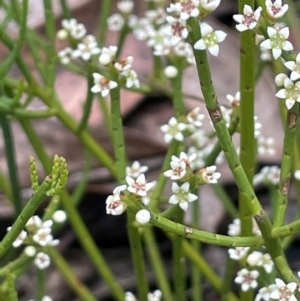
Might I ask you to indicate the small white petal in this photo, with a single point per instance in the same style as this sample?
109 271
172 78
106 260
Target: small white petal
288 46
221 35
271 31
214 50
285 32
276 53
184 205
266 44
200 45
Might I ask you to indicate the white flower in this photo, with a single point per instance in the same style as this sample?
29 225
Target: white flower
247 279
264 293
59 216
182 195
284 292
234 229
102 84
249 19
65 55
171 71
261 260
234 100
195 118
178 30
42 260
294 67
265 146
20 239
43 237
124 64
173 130
209 5
155 296
138 186
238 252
185 9
291 93
35 223
209 175
115 22
156 16
125 6
143 216
276 10
114 205
135 169
131 78
179 165
210 39
277 41
85 51
78 32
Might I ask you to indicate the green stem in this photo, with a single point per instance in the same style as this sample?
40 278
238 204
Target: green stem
41 282
206 270
137 256
50 50
77 286
11 164
88 101
286 165
191 233
245 187
196 275
12 266
179 265
102 29
157 264
229 272
67 14
28 211
247 142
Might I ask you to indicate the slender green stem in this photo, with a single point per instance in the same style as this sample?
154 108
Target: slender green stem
11 164
206 270
245 187
67 14
157 264
225 199
5 187
102 28
286 165
12 266
137 256
66 271
179 265
88 101
247 142
227 282
191 233
50 50
41 283
24 216
196 275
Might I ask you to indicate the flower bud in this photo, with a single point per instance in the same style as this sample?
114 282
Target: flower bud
143 216
59 216
171 71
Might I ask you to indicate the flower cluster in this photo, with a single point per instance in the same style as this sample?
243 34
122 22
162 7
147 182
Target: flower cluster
137 186
155 296
37 236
